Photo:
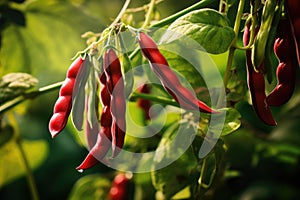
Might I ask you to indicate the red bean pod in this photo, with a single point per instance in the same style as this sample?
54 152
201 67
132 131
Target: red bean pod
63 105
144 104
293 8
168 78
285 50
104 137
119 187
115 84
256 84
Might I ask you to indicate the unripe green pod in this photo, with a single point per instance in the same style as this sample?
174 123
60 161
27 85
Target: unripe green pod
258 51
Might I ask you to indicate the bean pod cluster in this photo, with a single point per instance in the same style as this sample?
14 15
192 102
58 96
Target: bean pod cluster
256 84
112 121
286 49
108 131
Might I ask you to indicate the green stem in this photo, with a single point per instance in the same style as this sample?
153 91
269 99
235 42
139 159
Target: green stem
149 13
232 48
171 18
142 8
203 170
29 175
162 100
121 13
29 95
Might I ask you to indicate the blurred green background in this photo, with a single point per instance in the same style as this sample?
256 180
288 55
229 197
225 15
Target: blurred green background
40 37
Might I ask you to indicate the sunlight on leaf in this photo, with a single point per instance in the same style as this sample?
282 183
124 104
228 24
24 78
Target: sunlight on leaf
207 26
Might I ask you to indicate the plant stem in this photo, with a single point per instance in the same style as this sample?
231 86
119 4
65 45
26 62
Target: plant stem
162 100
171 18
29 95
29 175
149 13
232 48
123 10
142 8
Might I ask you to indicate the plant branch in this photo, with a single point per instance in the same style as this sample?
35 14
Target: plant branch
123 10
162 100
29 175
29 95
142 8
149 13
171 18
232 48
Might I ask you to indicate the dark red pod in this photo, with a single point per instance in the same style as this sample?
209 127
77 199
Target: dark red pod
293 7
104 137
256 84
285 50
168 78
98 152
144 104
115 85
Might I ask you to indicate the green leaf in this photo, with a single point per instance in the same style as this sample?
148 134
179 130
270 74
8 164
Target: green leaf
180 173
36 152
237 87
15 84
207 27
186 70
93 186
232 122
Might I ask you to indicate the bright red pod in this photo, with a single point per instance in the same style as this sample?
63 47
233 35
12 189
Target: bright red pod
57 122
67 87
63 104
74 68
168 78
117 193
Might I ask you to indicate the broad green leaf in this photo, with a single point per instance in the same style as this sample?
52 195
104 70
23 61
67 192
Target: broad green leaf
93 186
15 84
176 176
186 70
232 121
36 152
237 87
207 27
